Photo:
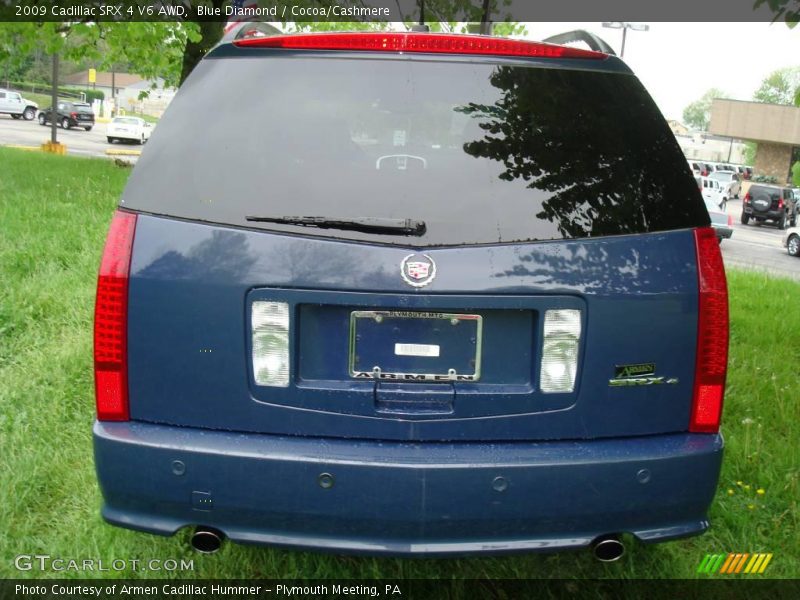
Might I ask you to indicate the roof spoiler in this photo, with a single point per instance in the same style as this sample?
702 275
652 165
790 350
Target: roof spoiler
580 35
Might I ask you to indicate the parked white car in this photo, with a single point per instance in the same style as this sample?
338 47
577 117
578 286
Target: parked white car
791 241
131 129
12 103
713 191
730 181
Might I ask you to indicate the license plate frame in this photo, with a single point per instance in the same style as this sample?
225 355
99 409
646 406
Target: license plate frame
473 322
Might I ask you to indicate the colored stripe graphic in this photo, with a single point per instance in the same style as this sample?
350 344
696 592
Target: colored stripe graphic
753 560
710 563
728 561
740 564
734 563
765 563
717 563
703 568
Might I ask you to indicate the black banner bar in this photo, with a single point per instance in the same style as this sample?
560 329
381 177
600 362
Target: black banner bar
393 589
398 10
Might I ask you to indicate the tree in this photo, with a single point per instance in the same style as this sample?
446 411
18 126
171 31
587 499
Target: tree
787 11
698 113
749 155
103 44
182 44
779 87
464 16
796 173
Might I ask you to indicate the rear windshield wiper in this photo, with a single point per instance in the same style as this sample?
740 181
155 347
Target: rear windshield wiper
363 224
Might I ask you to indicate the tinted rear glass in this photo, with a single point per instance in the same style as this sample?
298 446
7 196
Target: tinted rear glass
480 152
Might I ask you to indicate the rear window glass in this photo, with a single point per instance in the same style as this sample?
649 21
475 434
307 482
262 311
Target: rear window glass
125 121
482 153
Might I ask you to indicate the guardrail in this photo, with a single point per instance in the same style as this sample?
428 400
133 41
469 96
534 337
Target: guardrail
43 88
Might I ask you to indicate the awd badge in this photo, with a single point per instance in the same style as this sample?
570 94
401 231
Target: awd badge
638 374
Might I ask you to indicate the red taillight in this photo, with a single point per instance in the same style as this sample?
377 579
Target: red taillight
73 115
711 364
418 42
747 198
780 203
111 321
730 221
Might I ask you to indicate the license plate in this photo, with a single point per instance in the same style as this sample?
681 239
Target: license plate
415 346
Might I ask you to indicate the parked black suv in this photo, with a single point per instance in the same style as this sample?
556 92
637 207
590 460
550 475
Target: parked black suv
770 203
69 114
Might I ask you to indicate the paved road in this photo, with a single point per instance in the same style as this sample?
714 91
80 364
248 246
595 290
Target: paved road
752 246
78 141
757 247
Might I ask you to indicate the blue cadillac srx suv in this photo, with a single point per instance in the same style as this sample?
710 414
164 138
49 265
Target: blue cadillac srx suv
411 293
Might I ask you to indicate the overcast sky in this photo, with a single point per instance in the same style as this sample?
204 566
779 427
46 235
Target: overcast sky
679 62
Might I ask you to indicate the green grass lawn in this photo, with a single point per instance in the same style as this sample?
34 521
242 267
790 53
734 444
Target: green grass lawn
54 212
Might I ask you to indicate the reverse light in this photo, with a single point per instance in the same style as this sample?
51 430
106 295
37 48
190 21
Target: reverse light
562 335
711 363
111 321
270 324
418 42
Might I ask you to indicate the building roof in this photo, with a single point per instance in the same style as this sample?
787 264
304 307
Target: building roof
146 84
757 121
121 80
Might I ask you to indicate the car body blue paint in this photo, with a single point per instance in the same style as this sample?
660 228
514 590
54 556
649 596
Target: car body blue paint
406 498
486 466
188 304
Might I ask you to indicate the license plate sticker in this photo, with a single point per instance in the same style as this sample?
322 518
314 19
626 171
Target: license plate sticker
416 350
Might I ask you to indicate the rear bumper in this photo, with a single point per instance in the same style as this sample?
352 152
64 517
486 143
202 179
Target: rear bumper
770 215
722 231
405 498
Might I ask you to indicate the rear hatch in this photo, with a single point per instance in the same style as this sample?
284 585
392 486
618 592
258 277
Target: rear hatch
84 112
499 248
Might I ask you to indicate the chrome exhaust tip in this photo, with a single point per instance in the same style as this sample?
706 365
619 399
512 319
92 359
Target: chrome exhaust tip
207 540
608 548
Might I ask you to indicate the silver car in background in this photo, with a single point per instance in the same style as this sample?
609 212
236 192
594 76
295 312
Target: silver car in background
721 221
12 103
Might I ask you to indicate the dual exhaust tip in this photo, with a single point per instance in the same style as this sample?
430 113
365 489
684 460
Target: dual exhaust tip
207 540
606 548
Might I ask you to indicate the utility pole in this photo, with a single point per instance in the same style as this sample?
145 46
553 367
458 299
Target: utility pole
54 103
486 24
625 26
